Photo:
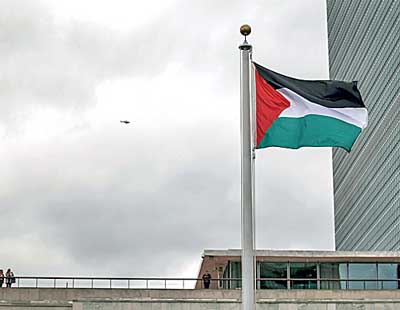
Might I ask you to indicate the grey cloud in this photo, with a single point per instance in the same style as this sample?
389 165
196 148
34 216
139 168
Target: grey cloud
101 203
117 202
122 213
44 63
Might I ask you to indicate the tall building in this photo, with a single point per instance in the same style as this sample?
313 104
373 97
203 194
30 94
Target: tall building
364 45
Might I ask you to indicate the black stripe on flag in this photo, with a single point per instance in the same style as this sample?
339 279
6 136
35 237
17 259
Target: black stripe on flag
331 94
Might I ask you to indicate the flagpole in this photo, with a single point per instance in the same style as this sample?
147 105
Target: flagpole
248 263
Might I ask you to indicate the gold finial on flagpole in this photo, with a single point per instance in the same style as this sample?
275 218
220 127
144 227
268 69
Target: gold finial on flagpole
245 30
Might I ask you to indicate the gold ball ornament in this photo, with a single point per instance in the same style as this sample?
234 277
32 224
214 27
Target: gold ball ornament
245 30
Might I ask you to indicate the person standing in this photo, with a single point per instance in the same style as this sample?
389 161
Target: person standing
10 279
206 279
1 277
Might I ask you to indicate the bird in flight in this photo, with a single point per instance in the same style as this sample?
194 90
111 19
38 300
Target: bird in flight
125 122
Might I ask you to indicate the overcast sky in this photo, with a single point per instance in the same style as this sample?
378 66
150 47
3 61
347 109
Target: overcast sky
83 194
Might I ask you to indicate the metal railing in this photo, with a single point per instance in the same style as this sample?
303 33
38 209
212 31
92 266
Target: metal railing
191 283
104 282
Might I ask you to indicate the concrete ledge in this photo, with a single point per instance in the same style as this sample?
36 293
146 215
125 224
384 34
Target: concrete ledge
67 295
134 299
329 301
260 301
163 300
37 305
198 305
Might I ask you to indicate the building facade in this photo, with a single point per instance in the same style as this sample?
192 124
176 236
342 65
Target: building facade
305 270
364 45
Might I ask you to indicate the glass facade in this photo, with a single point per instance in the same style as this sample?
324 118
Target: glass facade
300 273
331 271
388 272
232 271
309 275
275 271
363 272
364 45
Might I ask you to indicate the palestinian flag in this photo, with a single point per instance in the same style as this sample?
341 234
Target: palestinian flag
292 113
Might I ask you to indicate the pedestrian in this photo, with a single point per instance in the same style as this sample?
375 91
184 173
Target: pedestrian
206 279
10 278
1 277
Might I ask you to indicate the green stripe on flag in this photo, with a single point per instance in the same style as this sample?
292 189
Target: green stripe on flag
310 130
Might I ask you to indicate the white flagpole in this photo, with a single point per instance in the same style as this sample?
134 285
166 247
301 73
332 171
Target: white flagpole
248 258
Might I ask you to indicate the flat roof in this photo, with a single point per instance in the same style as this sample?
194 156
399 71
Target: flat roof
309 254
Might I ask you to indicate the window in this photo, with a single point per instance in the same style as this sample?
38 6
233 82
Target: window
330 273
232 270
363 276
273 270
236 272
303 271
388 272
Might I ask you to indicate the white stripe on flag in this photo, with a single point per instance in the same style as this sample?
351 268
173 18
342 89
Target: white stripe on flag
300 107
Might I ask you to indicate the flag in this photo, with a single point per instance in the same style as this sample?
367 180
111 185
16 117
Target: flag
293 113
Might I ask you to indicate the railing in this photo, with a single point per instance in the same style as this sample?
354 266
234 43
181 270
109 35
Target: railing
190 283
104 282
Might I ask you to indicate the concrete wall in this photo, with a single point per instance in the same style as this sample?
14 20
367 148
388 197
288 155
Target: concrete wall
131 299
290 305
